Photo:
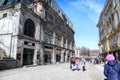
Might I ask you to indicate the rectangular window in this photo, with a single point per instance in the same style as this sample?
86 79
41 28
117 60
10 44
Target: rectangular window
114 3
5 15
46 37
118 16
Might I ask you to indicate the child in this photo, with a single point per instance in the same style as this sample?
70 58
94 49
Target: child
83 66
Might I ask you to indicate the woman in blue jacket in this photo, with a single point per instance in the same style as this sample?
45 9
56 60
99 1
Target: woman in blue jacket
112 68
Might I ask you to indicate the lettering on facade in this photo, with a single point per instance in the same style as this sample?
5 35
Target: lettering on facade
29 43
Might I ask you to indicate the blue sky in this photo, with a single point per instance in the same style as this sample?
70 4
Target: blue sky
84 15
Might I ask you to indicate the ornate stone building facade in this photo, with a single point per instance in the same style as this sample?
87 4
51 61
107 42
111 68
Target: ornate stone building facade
35 32
109 29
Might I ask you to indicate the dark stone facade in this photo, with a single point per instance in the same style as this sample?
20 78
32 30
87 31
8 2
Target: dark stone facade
9 64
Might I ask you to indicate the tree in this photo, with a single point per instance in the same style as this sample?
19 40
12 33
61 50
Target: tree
85 51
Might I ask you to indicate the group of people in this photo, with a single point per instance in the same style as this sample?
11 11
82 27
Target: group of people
111 67
77 63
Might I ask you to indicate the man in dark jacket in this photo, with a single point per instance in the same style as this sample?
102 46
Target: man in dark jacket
112 68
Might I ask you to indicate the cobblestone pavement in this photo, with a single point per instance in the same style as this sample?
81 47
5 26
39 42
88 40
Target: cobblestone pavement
53 72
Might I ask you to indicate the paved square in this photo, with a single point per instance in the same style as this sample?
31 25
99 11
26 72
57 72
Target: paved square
53 72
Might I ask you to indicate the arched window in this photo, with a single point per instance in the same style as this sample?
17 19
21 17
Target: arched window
29 28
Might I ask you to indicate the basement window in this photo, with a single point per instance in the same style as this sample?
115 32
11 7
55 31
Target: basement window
4 15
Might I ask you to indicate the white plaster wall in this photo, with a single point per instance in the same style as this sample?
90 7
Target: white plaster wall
8 29
37 31
10 24
5 42
9 44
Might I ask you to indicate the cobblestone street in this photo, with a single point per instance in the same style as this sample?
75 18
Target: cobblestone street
53 72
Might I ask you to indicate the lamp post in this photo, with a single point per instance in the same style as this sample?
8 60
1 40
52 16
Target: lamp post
100 50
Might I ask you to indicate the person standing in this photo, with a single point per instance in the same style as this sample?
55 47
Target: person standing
83 65
77 64
112 68
72 64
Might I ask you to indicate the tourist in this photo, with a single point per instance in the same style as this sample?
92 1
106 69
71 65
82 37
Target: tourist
112 68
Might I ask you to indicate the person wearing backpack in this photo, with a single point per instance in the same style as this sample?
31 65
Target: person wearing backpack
112 68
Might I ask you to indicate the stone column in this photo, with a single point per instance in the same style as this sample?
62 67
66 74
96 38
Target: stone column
66 44
35 58
37 54
54 55
41 33
22 49
62 56
54 34
71 45
62 41
41 44
41 54
66 56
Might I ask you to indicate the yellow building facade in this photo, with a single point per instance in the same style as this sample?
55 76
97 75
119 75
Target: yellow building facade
109 29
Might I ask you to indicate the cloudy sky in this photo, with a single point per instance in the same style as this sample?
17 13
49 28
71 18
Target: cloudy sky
85 15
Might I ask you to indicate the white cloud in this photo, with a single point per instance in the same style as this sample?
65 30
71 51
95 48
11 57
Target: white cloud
91 7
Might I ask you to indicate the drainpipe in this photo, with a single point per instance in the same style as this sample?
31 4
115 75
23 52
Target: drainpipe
10 45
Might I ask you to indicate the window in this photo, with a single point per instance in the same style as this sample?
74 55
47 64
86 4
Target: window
117 15
51 37
114 3
116 18
5 15
29 28
49 16
5 2
64 17
56 39
49 2
48 36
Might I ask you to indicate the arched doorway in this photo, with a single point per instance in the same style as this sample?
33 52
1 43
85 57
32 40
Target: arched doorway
28 55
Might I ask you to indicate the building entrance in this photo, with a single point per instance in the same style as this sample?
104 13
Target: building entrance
58 57
47 57
28 55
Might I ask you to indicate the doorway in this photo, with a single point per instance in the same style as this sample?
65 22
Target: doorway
47 57
58 57
28 55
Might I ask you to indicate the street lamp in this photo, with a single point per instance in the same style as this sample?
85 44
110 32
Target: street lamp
100 50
